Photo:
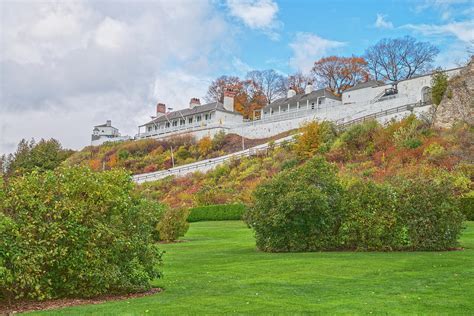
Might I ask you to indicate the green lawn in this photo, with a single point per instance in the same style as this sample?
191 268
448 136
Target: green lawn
218 270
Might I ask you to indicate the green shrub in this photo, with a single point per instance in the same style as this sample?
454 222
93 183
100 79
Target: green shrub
372 221
298 210
173 224
73 232
430 213
467 206
307 209
222 212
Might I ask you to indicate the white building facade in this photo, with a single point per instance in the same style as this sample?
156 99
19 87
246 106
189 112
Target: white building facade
283 114
106 133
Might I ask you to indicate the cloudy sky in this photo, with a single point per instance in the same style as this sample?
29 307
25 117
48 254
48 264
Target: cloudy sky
66 66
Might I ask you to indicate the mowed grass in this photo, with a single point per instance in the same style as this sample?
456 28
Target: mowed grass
219 271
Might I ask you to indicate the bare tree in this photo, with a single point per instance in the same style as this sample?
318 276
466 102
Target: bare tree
269 82
399 58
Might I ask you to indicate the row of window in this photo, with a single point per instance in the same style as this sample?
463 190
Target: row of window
182 121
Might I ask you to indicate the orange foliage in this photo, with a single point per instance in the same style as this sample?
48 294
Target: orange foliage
341 73
95 164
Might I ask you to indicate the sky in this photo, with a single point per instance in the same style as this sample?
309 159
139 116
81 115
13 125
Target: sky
66 66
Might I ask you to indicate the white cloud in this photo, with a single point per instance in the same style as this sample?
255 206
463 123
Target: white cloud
308 48
72 65
256 14
447 8
382 23
111 34
463 31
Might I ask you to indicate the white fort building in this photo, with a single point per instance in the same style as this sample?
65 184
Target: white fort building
284 114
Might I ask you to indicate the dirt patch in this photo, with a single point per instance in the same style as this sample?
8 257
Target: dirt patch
233 142
24 306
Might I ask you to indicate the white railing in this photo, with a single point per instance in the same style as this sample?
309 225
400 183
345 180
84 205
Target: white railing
208 164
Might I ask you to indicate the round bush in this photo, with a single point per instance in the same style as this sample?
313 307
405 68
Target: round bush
299 210
75 233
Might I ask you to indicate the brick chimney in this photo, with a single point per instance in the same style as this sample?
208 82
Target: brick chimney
194 102
229 95
160 109
108 123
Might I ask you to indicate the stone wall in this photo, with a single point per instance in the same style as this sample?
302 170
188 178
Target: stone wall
457 104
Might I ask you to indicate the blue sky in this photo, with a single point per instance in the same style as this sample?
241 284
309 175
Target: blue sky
69 65
357 25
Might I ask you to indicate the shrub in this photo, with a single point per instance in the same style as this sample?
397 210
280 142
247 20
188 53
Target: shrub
298 210
173 224
372 221
430 213
221 212
467 206
74 232
315 138
307 209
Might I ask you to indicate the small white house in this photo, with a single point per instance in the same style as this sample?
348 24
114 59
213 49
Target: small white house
106 133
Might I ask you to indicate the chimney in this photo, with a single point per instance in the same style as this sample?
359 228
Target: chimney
109 123
160 109
309 88
194 102
291 93
229 95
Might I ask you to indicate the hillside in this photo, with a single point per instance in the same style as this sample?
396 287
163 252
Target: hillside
409 148
150 155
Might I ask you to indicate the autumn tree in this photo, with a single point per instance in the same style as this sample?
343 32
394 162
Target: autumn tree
399 58
340 73
249 95
269 83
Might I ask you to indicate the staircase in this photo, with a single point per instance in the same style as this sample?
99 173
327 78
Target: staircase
209 164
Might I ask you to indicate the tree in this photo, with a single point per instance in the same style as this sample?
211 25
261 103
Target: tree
399 58
439 85
215 92
340 73
298 82
249 96
269 83
44 155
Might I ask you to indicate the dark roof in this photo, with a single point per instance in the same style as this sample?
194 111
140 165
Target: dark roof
105 125
303 97
367 84
215 106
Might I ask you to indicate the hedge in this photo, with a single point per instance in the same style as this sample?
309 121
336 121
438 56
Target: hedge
219 212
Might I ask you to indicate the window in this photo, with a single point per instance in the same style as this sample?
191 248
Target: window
190 120
182 122
156 127
198 118
149 128
207 117
175 123
167 124
320 101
